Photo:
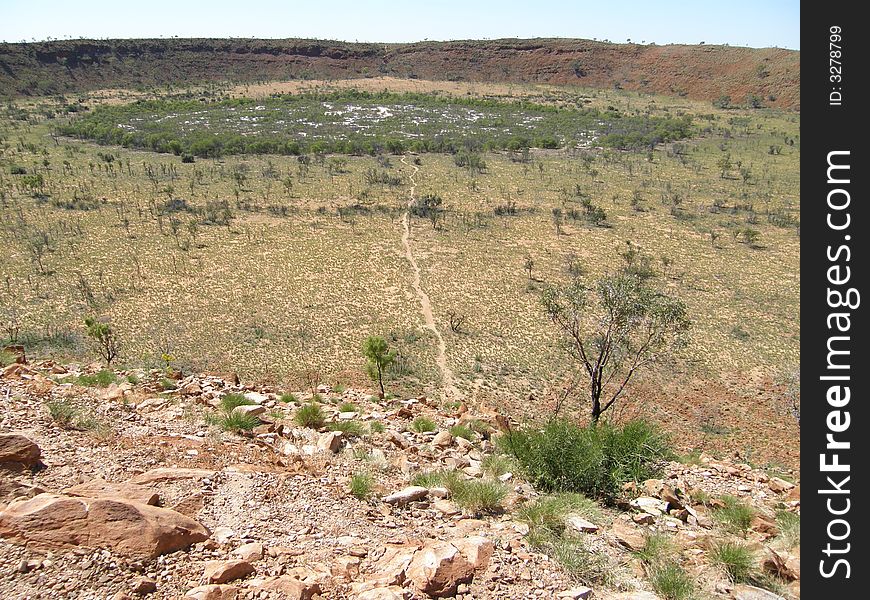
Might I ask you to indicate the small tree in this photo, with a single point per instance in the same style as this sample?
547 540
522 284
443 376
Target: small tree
625 326
379 357
529 264
105 339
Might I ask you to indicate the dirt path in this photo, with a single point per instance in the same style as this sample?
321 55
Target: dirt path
450 390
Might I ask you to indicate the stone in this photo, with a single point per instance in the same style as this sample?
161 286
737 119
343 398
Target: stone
446 507
653 487
476 549
256 397
784 566
650 505
222 534
112 393
330 442
18 451
670 496
191 389
409 494
381 593
578 523
748 592
225 571
439 492
634 596
390 568
442 439
99 488
643 519
438 568
779 485
291 588
213 592
398 439
144 585
250 552
577 593
127 528
164 474
345 567
628 535
252 410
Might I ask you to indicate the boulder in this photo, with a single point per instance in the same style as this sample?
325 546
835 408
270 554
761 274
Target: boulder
213 592
628 535
748 592
409 494
476 549
779 485
17 451
99 488
438 568
330 442
224 571
251 552
381 593
578 523
163 474
144 585
252 410
127 528
442 439
577 593
291 588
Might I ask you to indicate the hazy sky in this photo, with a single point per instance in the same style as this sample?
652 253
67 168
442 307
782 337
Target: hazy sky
757 23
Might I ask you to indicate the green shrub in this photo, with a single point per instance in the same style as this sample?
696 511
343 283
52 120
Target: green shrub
376 427
287 398
546 516
595 461
62 412
310 415
103 378
132 379
439 478
735 559
478 496
167 384
657 548
7 358
735 516
361 485
350 428
347 407
789 524
237 421
423 425
496 465
231 401
462 431
671 582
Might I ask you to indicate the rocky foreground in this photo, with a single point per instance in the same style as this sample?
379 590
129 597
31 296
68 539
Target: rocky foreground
124 492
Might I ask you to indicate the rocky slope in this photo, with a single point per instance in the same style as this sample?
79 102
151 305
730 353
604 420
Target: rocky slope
700 72
129 494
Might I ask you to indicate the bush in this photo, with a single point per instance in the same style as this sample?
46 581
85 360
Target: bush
350 429
735 559
656 549
462 431
423 425
478 496
671 582
735 516
546 516
237 421
789 524
231 401
595 461
347 407
62 412
361 485
310 415
287 398
496 465
103 378
376 427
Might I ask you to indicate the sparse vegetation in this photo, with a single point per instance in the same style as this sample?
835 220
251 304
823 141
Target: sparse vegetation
423 425
735 516
361 485
735 559
310 415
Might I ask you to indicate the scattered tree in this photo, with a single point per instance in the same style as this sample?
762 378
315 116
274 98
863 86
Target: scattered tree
104 337
379 357
624 326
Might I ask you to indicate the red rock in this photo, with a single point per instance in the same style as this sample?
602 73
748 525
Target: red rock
17 451
127 528
213 592
163 474
99 488
438 568
225 571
